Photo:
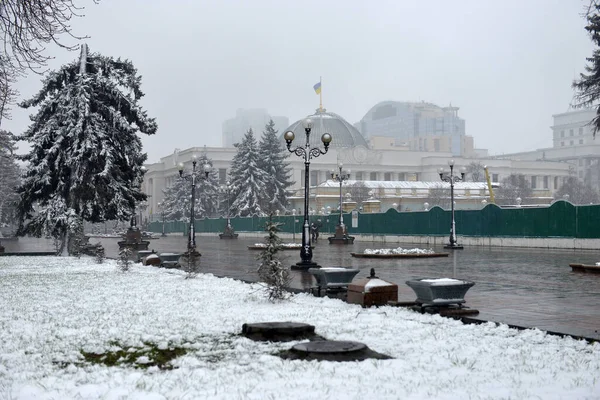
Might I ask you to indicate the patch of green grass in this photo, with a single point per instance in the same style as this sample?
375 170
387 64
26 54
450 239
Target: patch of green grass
148 356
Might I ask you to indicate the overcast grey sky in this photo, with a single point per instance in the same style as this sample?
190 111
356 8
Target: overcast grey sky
507 64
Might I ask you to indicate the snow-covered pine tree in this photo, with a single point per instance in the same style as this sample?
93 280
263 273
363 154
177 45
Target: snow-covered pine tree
9 179
177 197
86 159
272 160
247 179
587 88
271 271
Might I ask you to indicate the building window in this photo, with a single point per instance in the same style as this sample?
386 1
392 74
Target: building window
373 176
545 182
359 176
580 131
533 182
494 177
580 174
580 141
387 176
222 175
562 143
562 133
570 132
555 182
314 176
571 143
581 162
401 176
436 144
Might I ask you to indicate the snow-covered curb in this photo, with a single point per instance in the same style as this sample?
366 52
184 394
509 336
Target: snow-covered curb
284 245
398 250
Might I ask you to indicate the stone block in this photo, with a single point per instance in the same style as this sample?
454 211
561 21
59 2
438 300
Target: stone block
372 291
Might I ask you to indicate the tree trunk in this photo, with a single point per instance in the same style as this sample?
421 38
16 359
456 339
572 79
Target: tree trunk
64 245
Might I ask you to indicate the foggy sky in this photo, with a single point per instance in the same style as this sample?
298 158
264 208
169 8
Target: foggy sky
507 64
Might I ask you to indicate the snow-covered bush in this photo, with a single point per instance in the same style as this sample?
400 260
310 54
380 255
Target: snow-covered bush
124 263
191 263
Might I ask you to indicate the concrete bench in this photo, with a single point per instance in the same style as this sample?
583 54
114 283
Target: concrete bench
169 260
333 277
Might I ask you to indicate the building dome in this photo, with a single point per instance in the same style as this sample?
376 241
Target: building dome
343 134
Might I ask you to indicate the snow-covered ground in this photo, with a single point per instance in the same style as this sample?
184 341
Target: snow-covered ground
399 250
51 308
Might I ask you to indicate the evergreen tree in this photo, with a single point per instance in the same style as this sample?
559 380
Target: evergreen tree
271 271
177 197
247 179
86 160
272 160
9 179
588 86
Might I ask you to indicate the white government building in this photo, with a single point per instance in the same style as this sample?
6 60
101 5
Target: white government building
400 176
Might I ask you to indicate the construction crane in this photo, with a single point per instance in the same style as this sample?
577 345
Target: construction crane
489 184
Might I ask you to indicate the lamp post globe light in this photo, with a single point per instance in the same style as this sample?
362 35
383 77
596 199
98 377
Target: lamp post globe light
192 177
228 233
452 179
307 153
161 207
341 236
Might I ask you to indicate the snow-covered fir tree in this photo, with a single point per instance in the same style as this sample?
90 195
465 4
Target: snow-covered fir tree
9 179
271 271
177 197
248 180
86 158
587 87
272 160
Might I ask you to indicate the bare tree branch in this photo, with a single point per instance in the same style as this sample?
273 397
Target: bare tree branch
26 28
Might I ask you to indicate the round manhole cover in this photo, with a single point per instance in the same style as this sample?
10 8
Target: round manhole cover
329 347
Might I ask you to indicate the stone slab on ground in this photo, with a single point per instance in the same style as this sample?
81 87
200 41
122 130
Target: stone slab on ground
278 331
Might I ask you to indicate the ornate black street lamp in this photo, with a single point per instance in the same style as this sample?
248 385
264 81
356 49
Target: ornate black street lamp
452 179
161 206
228 233
307 153
192 178
340 236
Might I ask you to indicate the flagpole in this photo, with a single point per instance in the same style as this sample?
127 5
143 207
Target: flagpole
321 95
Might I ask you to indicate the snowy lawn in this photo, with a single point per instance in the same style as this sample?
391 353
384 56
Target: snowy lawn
53 308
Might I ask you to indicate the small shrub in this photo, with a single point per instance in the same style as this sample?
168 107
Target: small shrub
124 263
191 263
271 271
99 254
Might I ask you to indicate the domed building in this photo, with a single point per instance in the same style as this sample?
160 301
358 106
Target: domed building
343 134
399 176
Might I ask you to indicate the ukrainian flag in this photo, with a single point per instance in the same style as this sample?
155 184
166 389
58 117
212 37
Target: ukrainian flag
317 87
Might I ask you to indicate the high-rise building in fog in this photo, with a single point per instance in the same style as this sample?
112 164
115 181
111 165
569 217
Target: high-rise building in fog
420 126
255 118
